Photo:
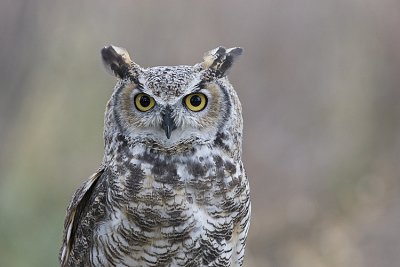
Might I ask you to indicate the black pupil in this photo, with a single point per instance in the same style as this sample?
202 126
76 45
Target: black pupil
144 101
195 100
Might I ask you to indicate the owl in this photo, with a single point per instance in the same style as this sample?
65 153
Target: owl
171 189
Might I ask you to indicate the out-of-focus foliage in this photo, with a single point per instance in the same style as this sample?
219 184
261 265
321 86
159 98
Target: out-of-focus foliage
320 87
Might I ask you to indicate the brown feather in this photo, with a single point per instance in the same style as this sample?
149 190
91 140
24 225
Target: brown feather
74 213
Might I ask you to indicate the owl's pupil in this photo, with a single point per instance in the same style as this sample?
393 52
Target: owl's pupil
144 101
195 100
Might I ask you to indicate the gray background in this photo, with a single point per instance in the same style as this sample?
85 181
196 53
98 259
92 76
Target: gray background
319 83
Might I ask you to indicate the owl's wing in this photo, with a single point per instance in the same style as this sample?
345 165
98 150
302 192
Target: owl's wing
74 214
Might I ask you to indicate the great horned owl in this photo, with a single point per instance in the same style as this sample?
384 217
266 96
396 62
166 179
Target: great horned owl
171 189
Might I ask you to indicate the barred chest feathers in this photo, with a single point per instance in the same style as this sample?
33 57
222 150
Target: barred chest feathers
172 207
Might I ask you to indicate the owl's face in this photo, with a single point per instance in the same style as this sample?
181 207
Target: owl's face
170 105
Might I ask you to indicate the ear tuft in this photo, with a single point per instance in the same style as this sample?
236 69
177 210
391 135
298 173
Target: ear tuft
220 60
116 60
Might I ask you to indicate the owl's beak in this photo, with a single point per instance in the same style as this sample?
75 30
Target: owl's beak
168 123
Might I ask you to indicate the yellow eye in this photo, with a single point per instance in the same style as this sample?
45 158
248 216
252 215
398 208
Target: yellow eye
196 101
144 102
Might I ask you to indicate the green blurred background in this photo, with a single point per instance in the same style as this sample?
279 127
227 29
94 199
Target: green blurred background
320 87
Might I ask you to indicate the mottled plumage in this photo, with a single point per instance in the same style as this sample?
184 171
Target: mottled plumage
171 189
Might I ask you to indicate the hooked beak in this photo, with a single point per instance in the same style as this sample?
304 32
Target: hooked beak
168 123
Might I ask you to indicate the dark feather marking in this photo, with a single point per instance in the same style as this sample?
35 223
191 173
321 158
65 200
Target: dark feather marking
197 169
164 169
82 205
230 167
90 210
218 162
115 98
221 137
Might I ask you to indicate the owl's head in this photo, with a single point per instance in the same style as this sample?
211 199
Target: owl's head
171 106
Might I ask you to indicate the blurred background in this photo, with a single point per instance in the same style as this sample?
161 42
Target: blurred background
320 87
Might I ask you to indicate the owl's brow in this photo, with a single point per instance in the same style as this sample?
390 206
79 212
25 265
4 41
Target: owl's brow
140 87
197 87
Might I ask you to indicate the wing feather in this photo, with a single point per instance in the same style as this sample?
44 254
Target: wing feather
74 213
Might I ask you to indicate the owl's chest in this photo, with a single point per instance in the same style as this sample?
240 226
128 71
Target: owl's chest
156 181
170 208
